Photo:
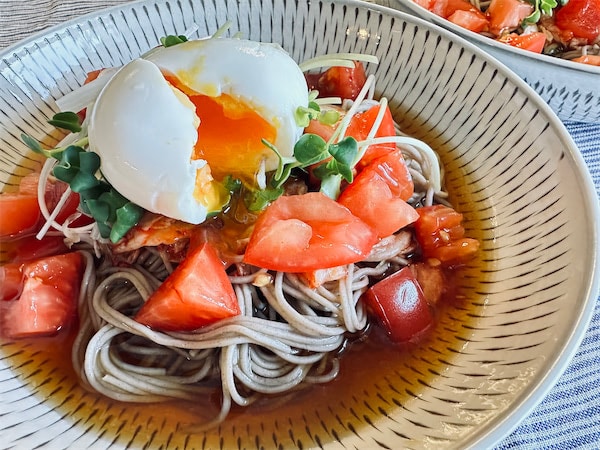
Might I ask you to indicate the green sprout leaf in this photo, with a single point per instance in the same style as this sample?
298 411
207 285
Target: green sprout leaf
304 114
171 40
127 216
540 7
257 200
310 149
67 121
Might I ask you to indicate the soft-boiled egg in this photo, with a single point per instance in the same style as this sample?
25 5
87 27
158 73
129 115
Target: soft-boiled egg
170 127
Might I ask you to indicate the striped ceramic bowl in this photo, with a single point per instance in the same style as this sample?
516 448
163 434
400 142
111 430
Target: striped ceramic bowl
511 168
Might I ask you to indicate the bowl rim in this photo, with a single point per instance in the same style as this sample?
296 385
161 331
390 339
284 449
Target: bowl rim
424 13
504 424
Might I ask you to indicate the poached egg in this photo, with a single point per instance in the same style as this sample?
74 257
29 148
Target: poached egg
169 127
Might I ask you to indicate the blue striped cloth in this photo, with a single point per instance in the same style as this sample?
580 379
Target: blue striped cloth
569 417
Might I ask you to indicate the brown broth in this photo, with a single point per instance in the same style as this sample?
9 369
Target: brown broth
375 377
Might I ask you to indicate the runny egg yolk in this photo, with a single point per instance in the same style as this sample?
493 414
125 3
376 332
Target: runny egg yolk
229 135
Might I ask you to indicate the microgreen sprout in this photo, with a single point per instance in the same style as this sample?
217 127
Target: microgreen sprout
79 168
171 40
66 120
304 114
541 7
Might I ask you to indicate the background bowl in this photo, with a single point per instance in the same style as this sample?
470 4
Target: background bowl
571 89
511 168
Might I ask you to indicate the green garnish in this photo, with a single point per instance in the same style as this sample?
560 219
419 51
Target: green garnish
541 7
67 121
303 115
114 214
310 149
171 40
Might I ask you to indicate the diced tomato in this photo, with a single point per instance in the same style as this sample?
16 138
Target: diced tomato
469 20
580 17
54 191
28 247
378 195
432 280
440 233
11 281
341 82
507 15
534 42
392 168
91 76
593 60
400 306
427 4
360 126
445 8
197 293
48 300
20 214
300 233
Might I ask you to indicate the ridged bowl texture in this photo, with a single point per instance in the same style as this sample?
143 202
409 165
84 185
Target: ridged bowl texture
512 170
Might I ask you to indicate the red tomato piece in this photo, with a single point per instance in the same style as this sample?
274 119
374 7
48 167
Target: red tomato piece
48 299
360 126
28 248
427 4
392 168
370 199
469 20
53 194
507 15
580 17
300 233
445 8
593 60
440 233
378 194
197 293
342 82
534 42
400 306
11 281
431 279
20 214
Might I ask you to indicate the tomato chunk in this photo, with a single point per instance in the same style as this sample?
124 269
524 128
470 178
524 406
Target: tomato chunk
593 60
300 233
28 247
48 296
469 20
580 17
400 306
440 233
360 126
197 293
378 195
534 42
20 214
341 82
11 282
507 15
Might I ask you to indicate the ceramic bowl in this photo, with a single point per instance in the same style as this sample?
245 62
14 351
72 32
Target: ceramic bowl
511 169
571 89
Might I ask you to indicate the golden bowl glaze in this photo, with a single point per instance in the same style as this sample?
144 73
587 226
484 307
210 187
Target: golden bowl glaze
511 169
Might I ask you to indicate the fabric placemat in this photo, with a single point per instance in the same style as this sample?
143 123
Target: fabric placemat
569 416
